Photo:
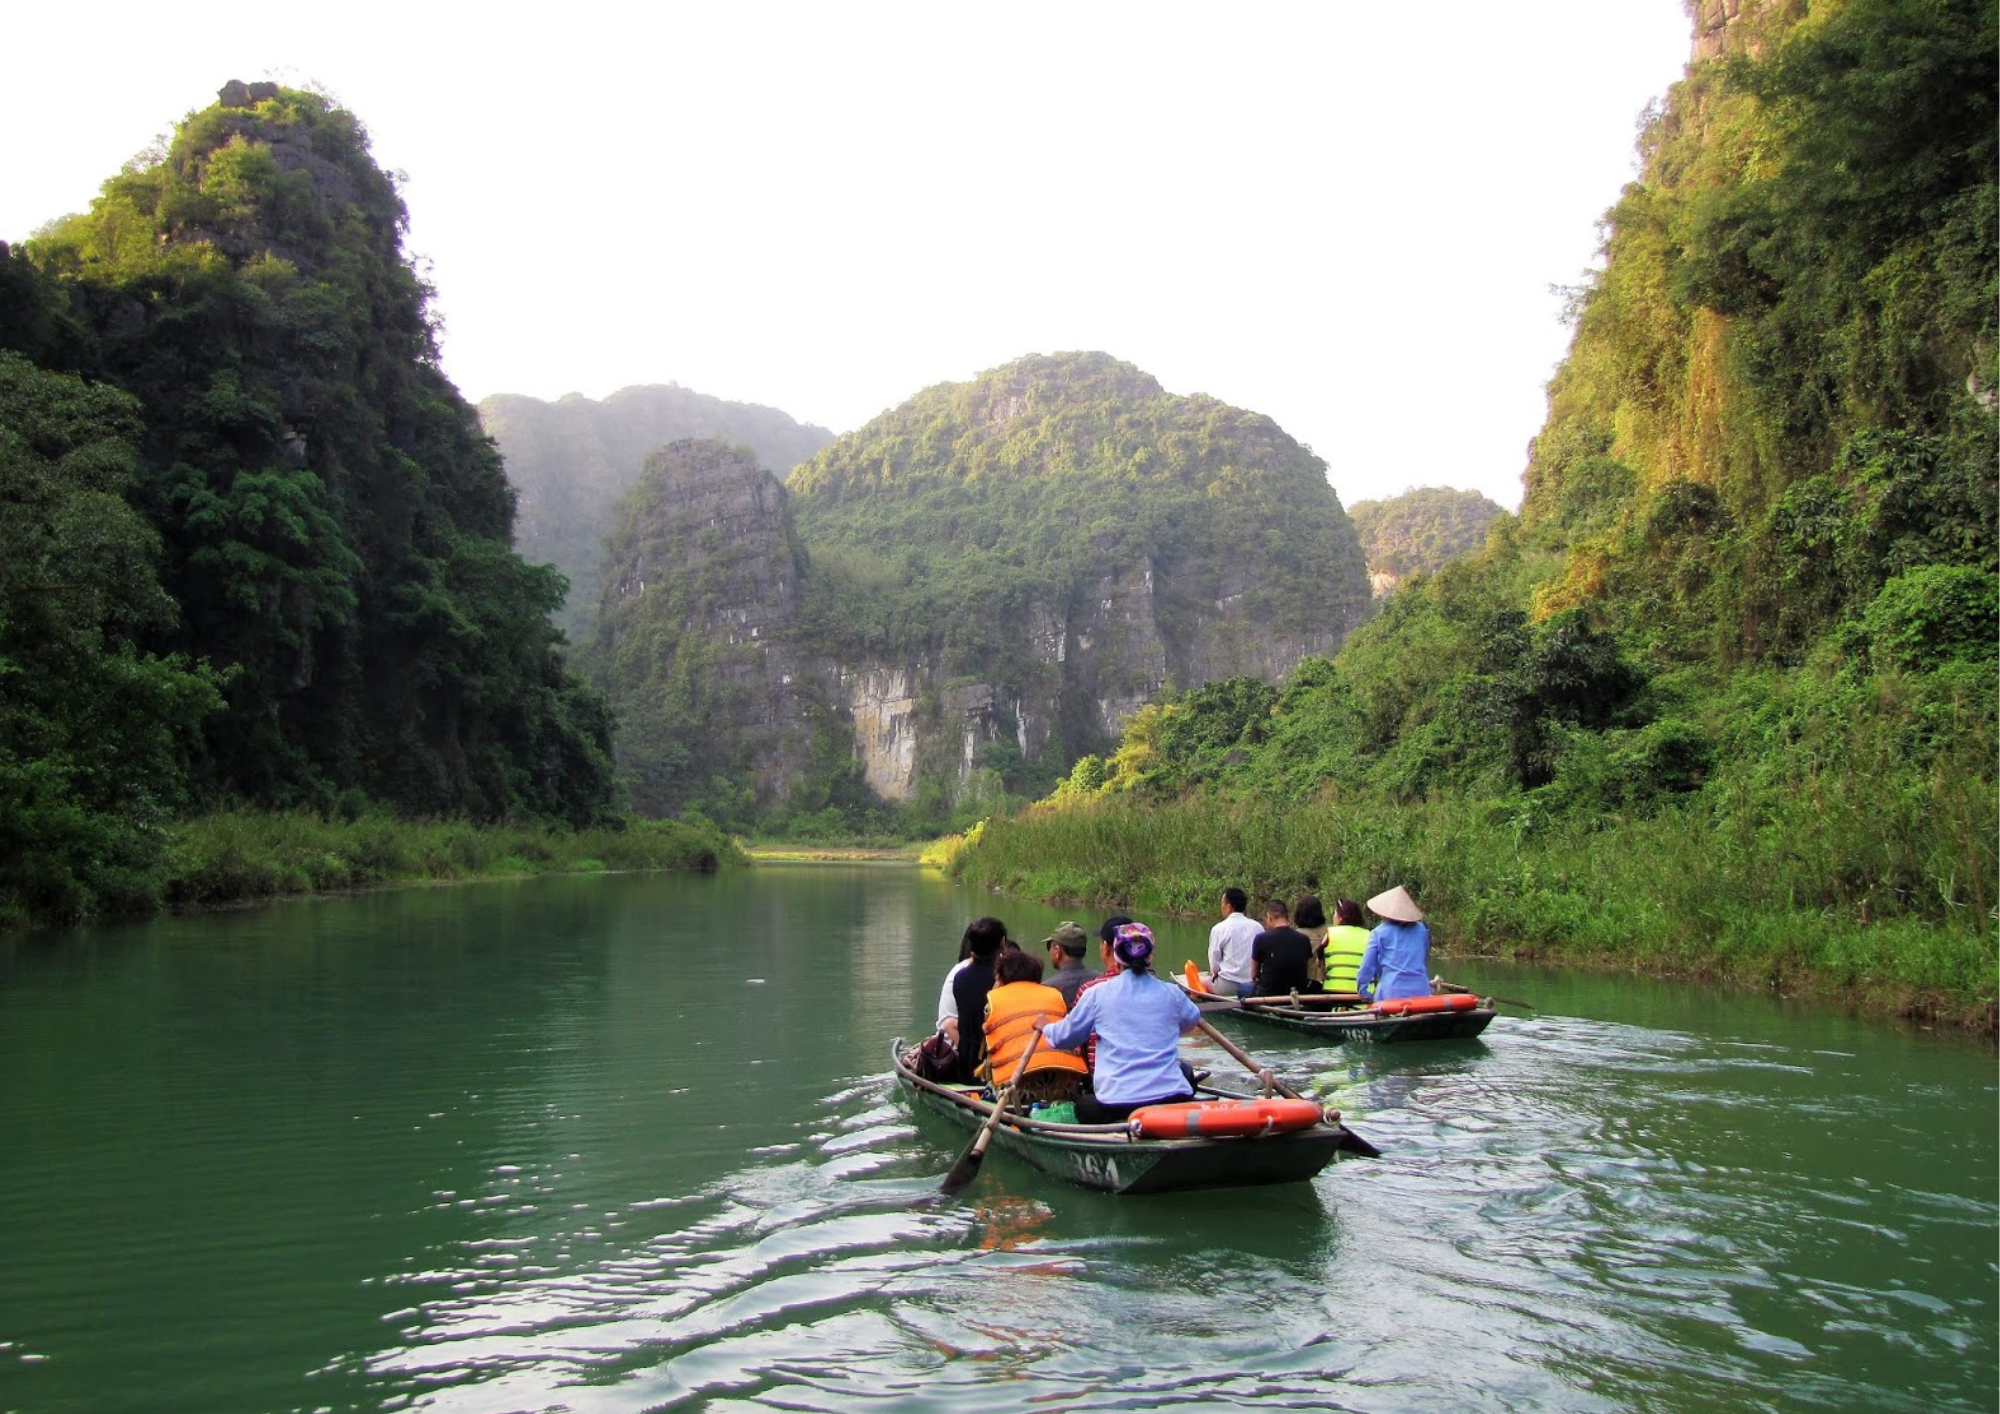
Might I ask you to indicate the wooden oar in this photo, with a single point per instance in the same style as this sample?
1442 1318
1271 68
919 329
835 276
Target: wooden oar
1350 1141
1333 1001
1438 984
1309 999
967 1167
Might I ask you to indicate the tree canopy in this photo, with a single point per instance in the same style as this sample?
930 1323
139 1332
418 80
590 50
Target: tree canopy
314 535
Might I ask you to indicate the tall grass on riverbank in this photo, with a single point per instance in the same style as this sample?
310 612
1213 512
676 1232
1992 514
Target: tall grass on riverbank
234 856
1887 895
249 854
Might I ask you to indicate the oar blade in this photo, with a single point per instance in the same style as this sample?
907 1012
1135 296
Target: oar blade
963 1172
1354 1144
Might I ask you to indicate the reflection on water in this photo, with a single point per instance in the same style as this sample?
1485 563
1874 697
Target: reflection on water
627 1144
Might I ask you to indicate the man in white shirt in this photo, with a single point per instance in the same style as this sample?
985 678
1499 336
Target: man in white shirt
1229 945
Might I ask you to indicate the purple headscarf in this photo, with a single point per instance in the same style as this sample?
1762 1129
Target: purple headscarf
1134 945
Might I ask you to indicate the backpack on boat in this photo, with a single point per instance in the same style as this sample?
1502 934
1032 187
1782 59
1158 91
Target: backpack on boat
936 1059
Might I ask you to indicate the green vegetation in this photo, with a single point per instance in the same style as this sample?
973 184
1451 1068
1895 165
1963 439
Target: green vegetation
1722 700
241 854
574 460
253 545
942 523
1013 552
90 723
1421 531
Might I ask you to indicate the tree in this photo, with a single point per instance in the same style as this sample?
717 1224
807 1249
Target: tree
92 729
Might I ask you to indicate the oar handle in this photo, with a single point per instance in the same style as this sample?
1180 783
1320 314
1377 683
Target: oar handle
1248 1064
1001 1100
1349 1140
1438 984
967 1168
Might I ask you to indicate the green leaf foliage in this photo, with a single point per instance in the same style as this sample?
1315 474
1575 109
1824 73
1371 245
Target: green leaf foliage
572 461
1420 531
1723 698
333 526
948 517
91 724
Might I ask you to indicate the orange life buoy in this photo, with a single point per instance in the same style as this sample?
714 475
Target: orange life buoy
1223 1117
1441 1001
1193 975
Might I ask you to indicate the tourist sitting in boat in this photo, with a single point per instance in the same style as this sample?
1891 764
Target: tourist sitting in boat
1139 1021
984 938
1018 1003
1108 970
1229 945
1309 917
1067 973
1279 955
1346 942
947 1022
1397 960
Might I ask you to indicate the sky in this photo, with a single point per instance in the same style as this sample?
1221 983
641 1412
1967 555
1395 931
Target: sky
1349 217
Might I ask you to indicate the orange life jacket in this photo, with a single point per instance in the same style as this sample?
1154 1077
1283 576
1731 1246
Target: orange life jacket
1010 1014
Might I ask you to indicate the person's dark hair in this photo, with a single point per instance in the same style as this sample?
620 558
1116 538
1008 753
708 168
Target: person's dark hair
1236 899
1346 913
985 935
1277 908
1309 912
1108 933
1017 966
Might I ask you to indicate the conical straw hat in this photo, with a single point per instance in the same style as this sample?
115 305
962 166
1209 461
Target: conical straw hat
1397 906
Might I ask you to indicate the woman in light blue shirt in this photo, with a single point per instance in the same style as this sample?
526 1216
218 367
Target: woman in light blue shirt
1397 961
1139 1021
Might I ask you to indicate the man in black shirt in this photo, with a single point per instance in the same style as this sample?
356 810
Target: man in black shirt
985 937
1279 954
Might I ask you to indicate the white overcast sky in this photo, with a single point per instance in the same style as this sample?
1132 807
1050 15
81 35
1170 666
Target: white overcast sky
1347 216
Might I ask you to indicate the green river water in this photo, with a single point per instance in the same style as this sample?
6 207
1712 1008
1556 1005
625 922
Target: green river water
629 1143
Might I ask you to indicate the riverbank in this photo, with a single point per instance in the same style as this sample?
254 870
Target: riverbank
1663 897
790 851
243 856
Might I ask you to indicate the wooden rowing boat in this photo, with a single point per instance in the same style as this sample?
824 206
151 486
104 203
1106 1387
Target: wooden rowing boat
1109 1158
1335 1021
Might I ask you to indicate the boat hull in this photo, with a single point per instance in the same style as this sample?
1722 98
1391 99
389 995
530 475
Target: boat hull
1106 1157
1334 1027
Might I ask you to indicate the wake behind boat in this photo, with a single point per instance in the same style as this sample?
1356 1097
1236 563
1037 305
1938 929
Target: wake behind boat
1215 1151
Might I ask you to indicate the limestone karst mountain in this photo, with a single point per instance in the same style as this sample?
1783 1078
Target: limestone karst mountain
571 461
966 594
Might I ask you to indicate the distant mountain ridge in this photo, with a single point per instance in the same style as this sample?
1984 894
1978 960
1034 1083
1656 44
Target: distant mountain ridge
571 461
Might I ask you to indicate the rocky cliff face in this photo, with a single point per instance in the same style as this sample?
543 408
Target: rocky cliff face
1005 627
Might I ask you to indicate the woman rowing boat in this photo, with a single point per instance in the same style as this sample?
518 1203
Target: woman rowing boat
1139 1021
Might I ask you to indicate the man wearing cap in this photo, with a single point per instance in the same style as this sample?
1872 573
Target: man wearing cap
1397 960
1067 974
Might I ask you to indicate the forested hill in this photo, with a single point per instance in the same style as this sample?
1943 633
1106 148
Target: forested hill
1034 481
952 604
1723 697
256 547
1421 531
571 461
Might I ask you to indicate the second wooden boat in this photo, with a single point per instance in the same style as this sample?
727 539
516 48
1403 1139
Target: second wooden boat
1334 1021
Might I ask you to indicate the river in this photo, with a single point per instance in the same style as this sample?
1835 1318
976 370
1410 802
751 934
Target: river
627 1143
